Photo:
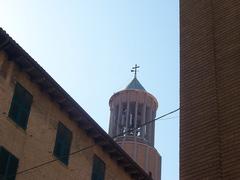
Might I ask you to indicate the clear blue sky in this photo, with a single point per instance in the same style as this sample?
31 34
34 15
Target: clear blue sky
89 47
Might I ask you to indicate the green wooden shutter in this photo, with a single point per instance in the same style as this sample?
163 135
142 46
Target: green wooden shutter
8 165
20 106
63 143
66 145
4 155
98 170
12 167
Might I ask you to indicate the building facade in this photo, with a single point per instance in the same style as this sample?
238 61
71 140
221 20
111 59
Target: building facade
45 134
130 109
210 90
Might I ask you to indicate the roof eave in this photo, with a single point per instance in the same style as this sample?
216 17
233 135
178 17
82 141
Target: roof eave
47 84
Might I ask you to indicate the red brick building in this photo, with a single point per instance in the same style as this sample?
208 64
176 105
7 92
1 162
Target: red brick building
210 90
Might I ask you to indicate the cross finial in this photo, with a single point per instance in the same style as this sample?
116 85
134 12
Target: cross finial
134 69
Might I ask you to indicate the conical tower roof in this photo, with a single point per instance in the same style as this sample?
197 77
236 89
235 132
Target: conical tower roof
135 84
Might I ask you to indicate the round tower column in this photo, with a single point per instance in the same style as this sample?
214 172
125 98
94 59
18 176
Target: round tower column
130 108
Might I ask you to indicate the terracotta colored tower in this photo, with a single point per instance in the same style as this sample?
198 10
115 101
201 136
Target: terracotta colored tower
130 108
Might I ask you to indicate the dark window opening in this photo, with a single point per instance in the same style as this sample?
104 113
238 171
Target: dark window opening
98 170
131 124
116 113
20 106
139 121
123 118
8 165
62 143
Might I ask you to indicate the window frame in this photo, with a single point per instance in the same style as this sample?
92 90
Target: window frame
10 168
95 168
20 107
63 143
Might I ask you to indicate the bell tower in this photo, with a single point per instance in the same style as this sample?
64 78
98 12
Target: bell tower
130 109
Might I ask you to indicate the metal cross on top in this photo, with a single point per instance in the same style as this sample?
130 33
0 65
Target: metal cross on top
134 69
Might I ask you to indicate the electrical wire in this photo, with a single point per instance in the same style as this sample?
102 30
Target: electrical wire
144 124
91 146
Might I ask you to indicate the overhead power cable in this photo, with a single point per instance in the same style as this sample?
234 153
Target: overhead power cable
91 146
144 124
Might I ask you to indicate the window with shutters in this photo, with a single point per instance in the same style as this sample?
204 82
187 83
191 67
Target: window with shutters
20 106
62 143
98 170
8 165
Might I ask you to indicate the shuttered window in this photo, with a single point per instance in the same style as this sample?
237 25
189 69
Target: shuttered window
20 106
98 170
8 165
62 143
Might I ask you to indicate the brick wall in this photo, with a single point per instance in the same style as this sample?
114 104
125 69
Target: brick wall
210 89
35 145
146 156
